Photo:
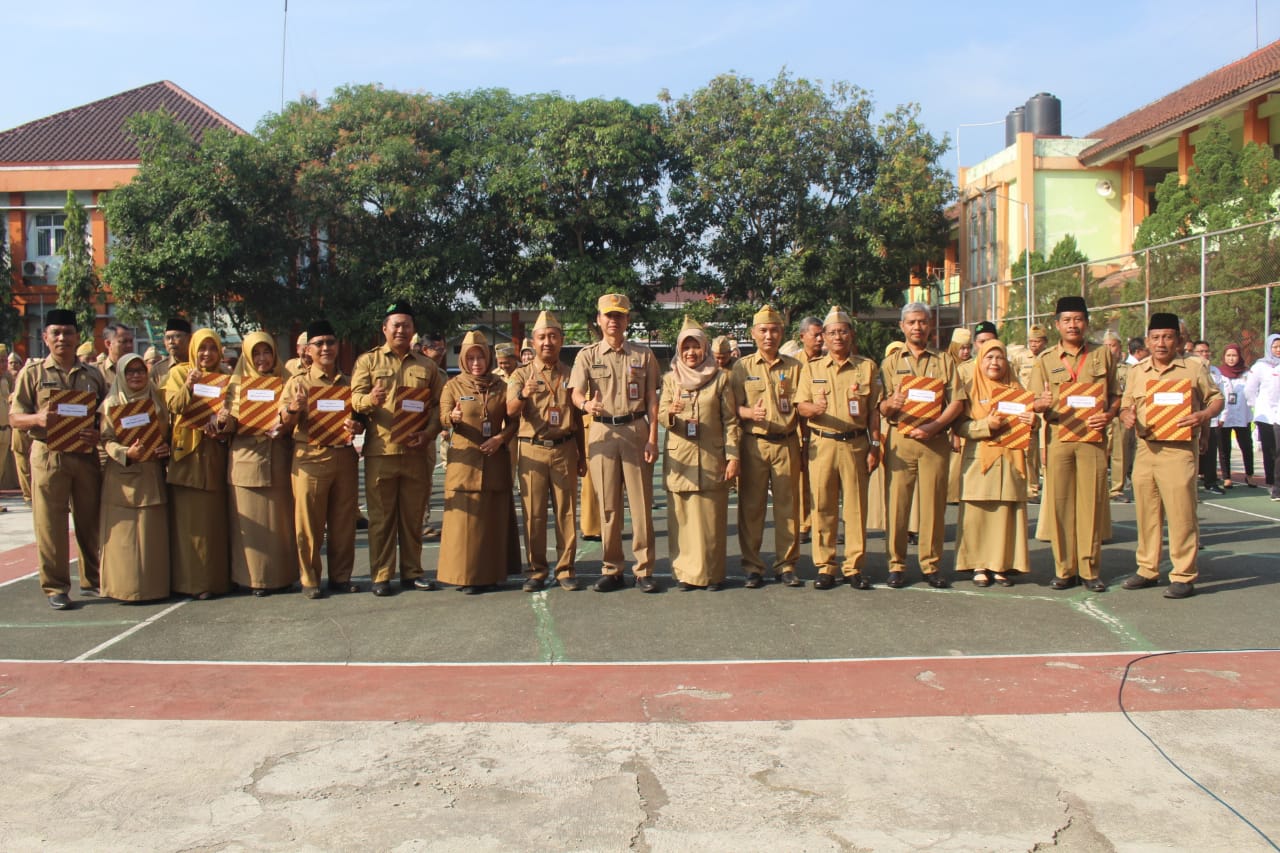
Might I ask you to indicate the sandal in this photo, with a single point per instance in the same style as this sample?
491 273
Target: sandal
1004 580
981 578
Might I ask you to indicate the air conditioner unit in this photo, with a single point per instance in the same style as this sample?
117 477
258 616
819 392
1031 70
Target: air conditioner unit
34 269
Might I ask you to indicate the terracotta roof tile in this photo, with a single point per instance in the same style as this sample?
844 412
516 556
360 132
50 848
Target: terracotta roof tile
1217 86
94 133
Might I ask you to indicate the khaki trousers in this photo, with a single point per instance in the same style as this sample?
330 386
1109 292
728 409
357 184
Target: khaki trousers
21 445
924 465
1118 450
769 469
431 472
589 505
1075 486
616 460
806 489
1164 487
326 494
396 490
550 472
1033 463
838 472
59 479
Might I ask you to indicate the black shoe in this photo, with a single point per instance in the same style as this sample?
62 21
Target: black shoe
755 580
1215 489
686 587
312 592
936 580
1139 582
570 583
90 592
897 580
714 587
470 590
362 523
1178 589
609 583
825 580
420 583
805 537
60 601
1096 585
790 579
648 584
1120 499
339 586
534 585
586 538
913 538
1064 583
858 580
383 589
259 592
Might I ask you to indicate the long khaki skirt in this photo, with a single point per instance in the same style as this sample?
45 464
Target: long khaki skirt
264 551
698 523
135 552
198 540
476 539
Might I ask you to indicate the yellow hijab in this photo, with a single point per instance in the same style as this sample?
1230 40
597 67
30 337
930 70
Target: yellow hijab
980 405
186 440
245 367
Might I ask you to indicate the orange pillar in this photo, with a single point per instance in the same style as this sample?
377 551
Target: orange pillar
1256 129
1186 155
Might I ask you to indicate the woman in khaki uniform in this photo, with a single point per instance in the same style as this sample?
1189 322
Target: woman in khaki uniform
993 507
700 459
263 550
961 350
134 516
478 538
198 478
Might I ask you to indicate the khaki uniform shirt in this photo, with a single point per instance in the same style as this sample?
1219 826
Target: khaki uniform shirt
753 378
621 379
552 398
311 378
1054 368
40 379
381 365
930 363
695 463
295 367
160 370
851 385
1203 389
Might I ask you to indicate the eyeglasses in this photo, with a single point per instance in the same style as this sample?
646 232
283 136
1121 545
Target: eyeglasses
323 342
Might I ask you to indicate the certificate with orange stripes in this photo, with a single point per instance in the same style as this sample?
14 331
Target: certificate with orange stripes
138 420
1077 402
1168 401
259 404
328 407
207 398
1012 402
70 412
924 401
410 413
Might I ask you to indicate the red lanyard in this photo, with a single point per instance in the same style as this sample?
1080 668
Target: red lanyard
1075 372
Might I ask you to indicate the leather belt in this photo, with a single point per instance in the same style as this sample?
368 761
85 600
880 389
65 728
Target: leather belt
546 442
772 436
838 436
620 420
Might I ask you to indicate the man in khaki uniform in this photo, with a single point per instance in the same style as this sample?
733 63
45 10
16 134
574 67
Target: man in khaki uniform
722 351
395 475
1037 341
325 479
119 342
810 350
20 441
1075 511
616 383
920 455
505 355
302 360
764 384
1118 449
177 341
838 395
551 458
6 392
433 348
60 478
1164 472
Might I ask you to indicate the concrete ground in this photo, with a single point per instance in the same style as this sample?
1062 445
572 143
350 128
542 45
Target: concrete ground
961 719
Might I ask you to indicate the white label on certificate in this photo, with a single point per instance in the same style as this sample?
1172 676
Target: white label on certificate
324 405
1081 401
211 392
413 406
73 410
1168 398
1005 407
261 395
133 421
921 395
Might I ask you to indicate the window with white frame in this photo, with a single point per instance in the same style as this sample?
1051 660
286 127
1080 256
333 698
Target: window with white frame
50 234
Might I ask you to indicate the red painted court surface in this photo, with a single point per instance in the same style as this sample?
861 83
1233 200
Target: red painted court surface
542 693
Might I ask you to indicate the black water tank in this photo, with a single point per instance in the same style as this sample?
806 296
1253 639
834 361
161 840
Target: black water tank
1044 115
1014 123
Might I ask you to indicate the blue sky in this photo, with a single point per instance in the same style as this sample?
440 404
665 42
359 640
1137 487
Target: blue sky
962 62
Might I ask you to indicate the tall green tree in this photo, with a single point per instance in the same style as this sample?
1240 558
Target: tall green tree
78 282
1053 277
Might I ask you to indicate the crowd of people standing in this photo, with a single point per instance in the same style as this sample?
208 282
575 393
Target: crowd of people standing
193 476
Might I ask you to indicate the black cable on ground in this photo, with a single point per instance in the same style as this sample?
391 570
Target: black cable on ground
1120 701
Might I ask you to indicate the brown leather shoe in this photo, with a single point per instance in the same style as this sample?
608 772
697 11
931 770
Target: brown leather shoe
825 580
755 580
1064 583
1178 589
790 579
1139 582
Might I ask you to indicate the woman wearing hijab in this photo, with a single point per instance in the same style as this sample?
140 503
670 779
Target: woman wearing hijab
479 535
1262 390
134 516
993 491
700 459
1236 417
263 549
197 476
